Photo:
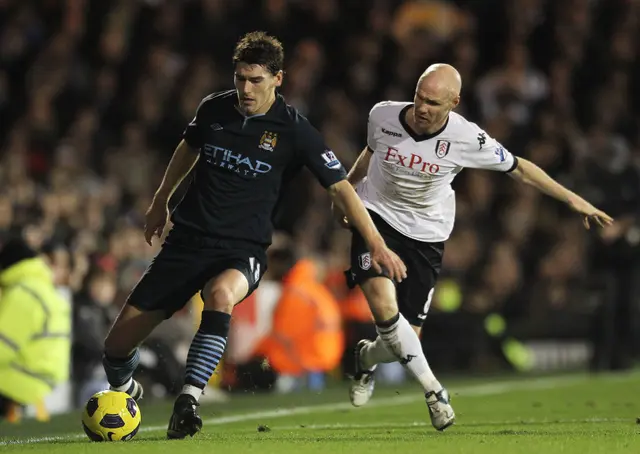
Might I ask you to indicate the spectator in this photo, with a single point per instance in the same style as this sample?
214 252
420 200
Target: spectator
35 328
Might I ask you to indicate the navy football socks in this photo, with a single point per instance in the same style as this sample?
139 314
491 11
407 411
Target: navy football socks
206 350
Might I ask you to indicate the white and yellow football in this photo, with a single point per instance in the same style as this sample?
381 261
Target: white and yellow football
111 416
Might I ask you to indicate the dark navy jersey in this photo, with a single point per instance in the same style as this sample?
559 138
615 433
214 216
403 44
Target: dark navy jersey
244 162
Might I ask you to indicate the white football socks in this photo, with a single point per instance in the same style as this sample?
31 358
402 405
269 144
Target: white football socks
404 343
375 353
192 391
123 388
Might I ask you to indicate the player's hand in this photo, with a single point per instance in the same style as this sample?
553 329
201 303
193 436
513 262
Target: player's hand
155 220
589 212
339 216
384 259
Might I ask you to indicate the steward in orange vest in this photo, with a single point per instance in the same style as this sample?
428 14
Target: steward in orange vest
307 331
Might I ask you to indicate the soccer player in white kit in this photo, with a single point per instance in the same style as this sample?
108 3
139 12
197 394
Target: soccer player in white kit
414 151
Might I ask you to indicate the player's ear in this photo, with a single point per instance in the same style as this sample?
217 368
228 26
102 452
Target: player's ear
278 77
455 101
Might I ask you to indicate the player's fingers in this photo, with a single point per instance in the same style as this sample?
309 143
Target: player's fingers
399 275
585 221
390 267
403 268
376 266
598 221
392 272
604 220
400 265
159 230
148 234
399 268
604 216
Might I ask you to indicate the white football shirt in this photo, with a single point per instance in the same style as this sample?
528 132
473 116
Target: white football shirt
409 178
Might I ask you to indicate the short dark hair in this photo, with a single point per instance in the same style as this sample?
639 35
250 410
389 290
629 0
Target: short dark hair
258 48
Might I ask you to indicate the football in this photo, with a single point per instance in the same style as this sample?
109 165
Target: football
111 416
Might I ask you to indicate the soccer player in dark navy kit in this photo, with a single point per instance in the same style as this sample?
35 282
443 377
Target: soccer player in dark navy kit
241 146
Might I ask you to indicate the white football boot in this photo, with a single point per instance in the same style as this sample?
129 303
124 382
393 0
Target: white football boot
363 382
440 410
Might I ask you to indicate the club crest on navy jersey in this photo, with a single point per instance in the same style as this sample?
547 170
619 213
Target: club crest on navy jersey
268 141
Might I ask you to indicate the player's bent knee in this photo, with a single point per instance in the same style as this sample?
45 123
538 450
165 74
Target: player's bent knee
381 296
220 298
226 290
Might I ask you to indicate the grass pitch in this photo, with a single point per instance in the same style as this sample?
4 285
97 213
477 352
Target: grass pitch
573 414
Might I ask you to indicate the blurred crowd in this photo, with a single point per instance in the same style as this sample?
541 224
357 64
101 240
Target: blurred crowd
95 94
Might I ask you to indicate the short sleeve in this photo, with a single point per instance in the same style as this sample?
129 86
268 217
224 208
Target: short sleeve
317 156
371 129
193 133
482 151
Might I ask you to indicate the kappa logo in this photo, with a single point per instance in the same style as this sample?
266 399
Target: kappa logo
391 133
442 148
482 139
268 141
364 260
407 359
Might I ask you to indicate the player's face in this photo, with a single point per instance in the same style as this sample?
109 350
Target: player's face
432 105
256 87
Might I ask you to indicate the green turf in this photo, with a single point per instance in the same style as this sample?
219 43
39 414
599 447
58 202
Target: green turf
574 414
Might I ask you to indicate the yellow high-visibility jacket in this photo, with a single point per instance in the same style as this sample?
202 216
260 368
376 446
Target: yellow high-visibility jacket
35 332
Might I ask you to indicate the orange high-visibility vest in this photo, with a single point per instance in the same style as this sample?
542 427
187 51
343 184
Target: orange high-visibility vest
355 308
307 327
353 304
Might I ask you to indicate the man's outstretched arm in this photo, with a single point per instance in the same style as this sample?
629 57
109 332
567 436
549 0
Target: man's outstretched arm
529 173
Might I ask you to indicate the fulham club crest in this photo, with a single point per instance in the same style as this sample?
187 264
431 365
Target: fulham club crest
365 261
442 148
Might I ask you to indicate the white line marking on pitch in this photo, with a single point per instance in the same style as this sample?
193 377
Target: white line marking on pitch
390 425
472 390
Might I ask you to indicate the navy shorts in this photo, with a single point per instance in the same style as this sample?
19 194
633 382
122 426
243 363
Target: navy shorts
423 261
186 262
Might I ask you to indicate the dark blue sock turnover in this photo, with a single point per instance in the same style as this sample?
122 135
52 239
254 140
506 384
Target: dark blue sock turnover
120 370
207 348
